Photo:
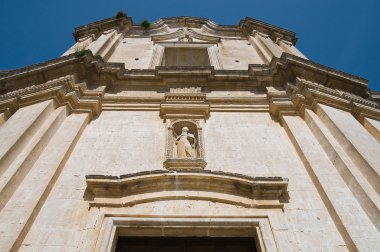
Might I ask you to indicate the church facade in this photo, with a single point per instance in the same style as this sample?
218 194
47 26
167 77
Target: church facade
187 135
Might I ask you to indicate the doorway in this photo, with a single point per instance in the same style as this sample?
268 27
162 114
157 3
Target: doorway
185 244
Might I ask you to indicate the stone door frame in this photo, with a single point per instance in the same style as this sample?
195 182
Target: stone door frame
115 225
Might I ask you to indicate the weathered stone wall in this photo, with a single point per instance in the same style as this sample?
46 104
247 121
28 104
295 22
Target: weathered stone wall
333 200
34 163
135 53
237 54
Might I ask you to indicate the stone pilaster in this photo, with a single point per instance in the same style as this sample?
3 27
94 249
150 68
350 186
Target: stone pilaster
290 48
23 207
213 53
358 232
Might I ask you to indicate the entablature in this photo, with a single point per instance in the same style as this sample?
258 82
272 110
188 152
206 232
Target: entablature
165 25
63 90
96 29
185 32
91 79
307 94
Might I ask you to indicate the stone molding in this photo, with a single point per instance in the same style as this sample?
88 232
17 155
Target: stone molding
178 164
187 97
279 102
159 50
158 54
185 106
285 66
42 81
132 189
64 82
278 70
208 27
249 24
245 27
258 227
305 93
63 90
183 32
96 29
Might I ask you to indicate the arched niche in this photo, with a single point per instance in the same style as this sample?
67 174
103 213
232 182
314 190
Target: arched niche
184 148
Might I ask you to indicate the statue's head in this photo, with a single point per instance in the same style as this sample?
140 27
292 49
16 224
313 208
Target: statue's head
185 129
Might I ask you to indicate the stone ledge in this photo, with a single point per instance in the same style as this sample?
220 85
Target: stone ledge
188 110
98 27
132 189
185 163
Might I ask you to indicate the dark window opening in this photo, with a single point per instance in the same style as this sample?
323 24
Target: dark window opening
186 244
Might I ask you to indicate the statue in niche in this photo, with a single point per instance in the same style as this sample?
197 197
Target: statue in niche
185 144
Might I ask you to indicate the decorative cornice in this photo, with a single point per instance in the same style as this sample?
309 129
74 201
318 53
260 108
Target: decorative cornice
248 25
178 164
97 28
245 28
279 102
182 32
89 69
63 82
289 67
375 95
200 23
128 190
281 69
63 90
185 109
185 97
184 71
8 78
304 93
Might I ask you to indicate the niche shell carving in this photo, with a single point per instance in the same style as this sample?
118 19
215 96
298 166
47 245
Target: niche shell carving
184 149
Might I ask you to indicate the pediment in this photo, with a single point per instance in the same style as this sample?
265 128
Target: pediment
185 35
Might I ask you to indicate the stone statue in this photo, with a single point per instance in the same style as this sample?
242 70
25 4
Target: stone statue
184 148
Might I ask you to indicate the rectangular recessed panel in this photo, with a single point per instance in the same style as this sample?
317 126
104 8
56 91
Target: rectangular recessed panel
182 56
186 244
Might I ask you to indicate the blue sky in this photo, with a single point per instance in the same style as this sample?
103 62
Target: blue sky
341 34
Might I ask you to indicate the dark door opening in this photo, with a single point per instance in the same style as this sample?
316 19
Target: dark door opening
185 244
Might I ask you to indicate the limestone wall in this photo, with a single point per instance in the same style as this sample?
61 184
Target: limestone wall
51 212
137 52
330 159
37 141
237 54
